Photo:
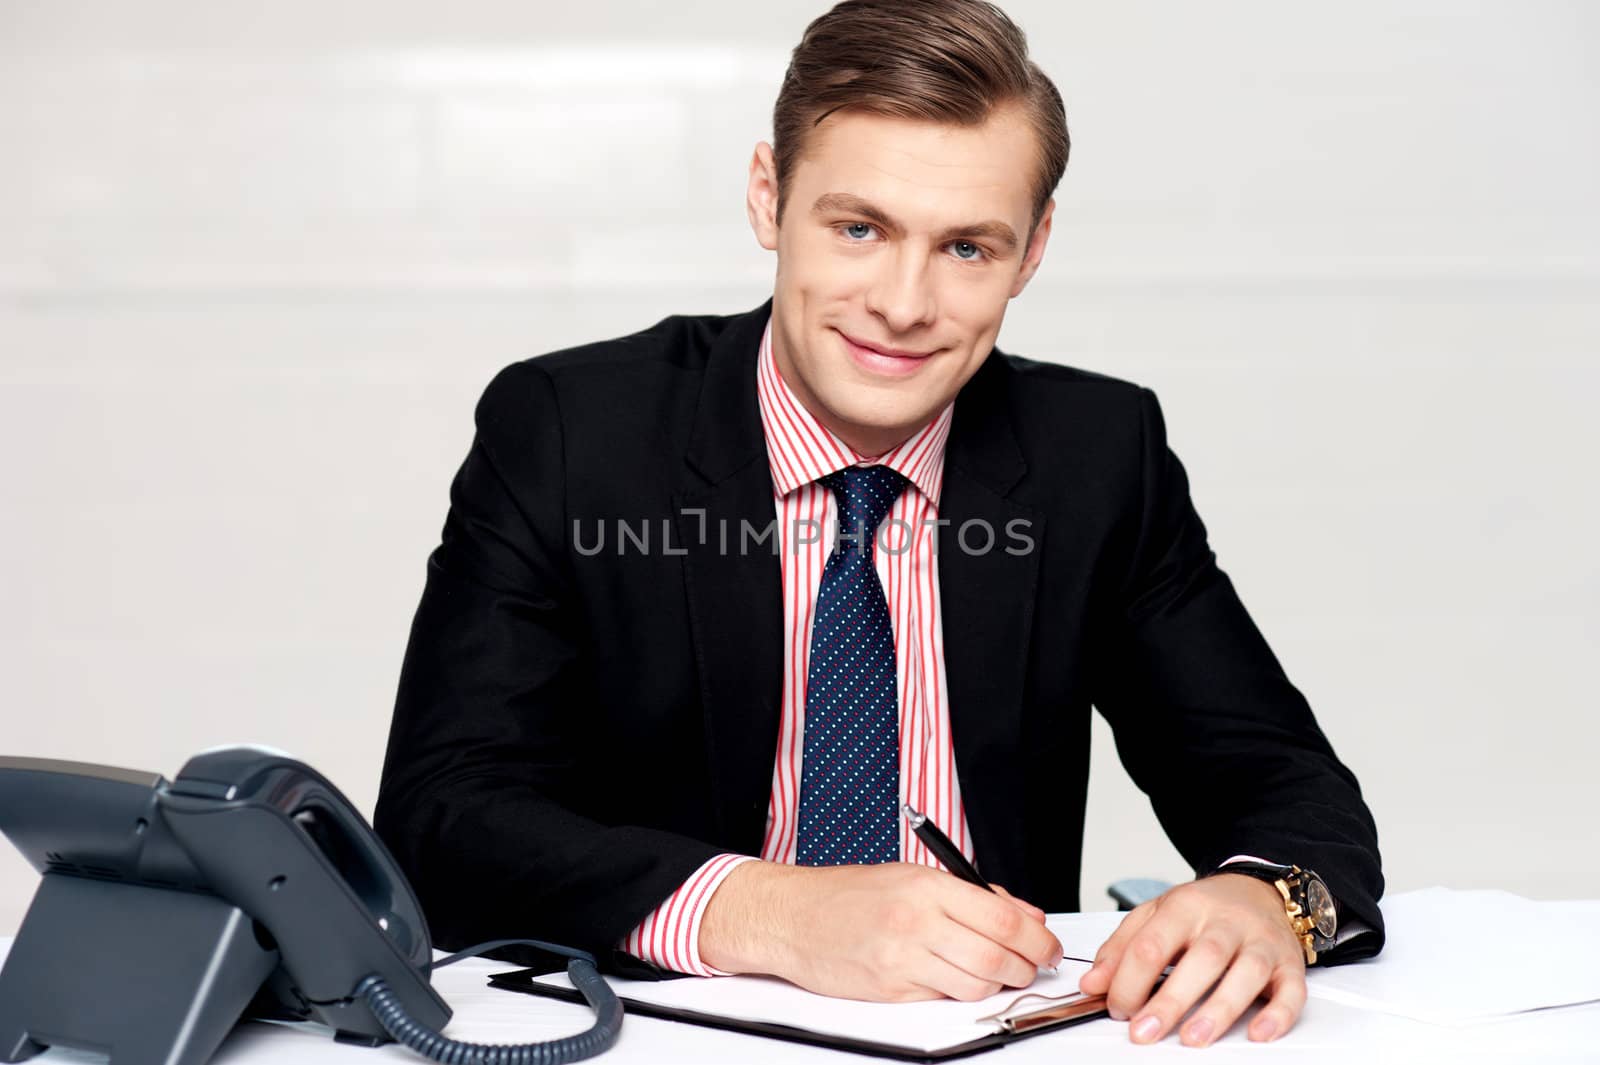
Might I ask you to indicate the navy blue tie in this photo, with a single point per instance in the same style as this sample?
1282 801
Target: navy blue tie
850 774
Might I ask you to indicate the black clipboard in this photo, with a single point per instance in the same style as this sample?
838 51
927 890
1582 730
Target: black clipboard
1027 1025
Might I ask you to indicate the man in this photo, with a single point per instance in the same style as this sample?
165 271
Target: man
649 709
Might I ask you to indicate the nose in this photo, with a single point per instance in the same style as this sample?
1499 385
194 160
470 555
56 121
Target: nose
902 294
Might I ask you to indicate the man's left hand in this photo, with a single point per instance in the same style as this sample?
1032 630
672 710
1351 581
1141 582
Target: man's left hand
1228 926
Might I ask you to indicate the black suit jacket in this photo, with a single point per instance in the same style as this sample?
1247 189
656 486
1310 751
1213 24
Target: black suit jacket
577 731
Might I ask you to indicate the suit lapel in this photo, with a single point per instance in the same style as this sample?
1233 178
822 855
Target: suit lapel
734 584
986 604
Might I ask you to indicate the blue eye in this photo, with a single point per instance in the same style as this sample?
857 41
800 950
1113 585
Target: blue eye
977 254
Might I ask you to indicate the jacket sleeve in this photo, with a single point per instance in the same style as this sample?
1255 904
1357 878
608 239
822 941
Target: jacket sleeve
486 770
1207 723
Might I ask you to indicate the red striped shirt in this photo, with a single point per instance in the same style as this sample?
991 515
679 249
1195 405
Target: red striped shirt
799 451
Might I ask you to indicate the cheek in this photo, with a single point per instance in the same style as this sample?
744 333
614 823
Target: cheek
827 276
976 297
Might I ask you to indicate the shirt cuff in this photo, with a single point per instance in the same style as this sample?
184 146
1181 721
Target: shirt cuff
669 936
1249 858
1348 930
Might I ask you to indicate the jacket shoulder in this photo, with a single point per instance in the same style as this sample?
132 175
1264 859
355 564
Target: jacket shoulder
1049 399
680 340
1077 427
1026 373
608 370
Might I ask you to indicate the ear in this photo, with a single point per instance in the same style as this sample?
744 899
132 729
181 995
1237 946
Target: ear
1035 253
761 197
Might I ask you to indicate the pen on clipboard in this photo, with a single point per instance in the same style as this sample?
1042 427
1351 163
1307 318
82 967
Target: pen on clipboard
933 837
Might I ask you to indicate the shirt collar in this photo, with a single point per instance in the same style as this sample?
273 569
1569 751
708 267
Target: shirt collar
801 450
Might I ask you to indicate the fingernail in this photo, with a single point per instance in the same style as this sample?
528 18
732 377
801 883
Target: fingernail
1200 1031
1266 1029
1145 1028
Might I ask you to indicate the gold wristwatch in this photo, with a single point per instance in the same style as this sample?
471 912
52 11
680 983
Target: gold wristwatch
1306 899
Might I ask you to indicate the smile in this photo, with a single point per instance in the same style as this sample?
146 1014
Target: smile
878 362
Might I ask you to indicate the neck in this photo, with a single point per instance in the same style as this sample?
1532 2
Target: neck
868 445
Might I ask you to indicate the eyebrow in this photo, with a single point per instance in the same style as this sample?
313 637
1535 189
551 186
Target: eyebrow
845 203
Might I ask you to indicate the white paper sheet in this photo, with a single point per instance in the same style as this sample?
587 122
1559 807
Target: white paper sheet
1463 957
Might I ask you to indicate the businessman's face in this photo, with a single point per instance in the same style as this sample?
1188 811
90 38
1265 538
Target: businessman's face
896 234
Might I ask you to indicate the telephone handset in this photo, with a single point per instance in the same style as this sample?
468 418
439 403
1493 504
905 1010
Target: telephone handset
248 886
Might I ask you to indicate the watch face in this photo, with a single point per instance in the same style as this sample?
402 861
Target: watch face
1320 903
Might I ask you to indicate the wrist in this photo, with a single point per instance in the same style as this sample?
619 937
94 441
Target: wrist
743 930
1312 914
1265 891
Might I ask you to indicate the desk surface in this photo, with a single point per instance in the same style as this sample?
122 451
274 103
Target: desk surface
1326 1034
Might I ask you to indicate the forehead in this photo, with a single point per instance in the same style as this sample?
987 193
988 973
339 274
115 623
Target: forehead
900 160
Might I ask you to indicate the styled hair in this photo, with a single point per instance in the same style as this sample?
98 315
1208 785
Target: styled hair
949 61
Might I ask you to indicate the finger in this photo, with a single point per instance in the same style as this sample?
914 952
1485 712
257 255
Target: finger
1026 907
992 917
1204 962
1149 950
982 958
953 981
1098 979
1246 978
1283 1010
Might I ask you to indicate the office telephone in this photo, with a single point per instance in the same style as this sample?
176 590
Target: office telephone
246 887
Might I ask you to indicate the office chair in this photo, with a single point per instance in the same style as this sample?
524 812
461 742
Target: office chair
1131 891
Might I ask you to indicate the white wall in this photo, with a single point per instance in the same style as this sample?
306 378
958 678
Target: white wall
254 274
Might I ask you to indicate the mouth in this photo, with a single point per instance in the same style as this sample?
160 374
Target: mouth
891 362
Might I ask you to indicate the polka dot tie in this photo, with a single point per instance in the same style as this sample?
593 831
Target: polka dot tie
850 773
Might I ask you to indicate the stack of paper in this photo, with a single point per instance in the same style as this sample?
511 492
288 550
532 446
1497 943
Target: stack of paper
1461 957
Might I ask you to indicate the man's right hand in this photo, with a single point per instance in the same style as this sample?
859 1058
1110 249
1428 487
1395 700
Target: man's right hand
884 933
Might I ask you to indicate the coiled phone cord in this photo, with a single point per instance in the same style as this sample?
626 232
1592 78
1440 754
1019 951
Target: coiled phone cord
386 1007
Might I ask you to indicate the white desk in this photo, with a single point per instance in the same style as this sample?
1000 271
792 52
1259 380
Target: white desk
1326 1033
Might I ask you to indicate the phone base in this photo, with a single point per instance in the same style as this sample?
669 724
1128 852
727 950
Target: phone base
147 975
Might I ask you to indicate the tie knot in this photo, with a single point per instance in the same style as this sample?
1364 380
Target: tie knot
865 494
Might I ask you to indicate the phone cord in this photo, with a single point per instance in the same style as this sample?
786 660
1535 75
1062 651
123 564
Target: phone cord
386 1007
